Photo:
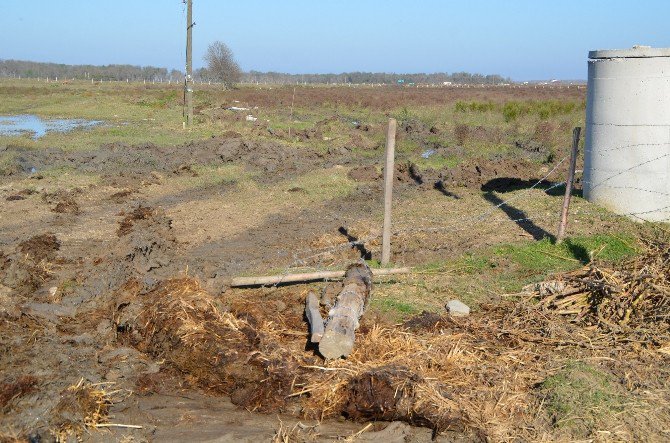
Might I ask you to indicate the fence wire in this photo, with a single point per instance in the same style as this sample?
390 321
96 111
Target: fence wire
321 258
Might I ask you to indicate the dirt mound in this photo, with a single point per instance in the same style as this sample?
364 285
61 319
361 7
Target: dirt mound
364 174
415 129
139 213
147 241
488 175
81 406
221 351
29 266
16 388
120 161
67 206
121 196
41 247
426 321
394 393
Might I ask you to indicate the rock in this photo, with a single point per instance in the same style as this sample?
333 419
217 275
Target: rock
47 311
457 308
7 305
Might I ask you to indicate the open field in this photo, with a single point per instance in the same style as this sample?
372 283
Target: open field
118 243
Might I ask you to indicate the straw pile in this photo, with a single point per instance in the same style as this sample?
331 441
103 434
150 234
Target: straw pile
477 375
446 374
219 351
83 405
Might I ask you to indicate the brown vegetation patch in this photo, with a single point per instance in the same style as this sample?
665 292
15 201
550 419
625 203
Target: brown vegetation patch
10 390
67 206
139 213
81 406
41 247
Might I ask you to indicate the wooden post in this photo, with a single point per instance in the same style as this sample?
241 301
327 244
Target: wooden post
568 185
338 339
314 318
389 170
290 122
188 81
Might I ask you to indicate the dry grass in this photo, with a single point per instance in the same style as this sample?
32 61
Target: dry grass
82 406
478 375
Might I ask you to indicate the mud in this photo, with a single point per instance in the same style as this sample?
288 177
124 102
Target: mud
502 175
110 287
390 393
364 174
123 164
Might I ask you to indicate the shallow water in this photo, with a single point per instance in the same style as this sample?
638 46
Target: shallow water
16 125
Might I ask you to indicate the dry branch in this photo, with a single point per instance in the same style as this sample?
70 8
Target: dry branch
306 277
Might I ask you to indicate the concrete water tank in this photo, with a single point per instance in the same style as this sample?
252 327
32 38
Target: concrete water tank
627 152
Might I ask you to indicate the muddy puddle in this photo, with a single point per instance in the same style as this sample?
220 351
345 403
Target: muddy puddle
36 127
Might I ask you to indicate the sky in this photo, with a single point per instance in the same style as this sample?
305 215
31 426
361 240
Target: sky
520 39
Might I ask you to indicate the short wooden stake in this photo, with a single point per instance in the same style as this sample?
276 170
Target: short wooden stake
316 325
389 170
568 185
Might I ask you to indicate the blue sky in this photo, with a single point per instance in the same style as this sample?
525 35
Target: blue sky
522 39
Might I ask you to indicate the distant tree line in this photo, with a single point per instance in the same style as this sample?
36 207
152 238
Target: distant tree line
372 78
28 69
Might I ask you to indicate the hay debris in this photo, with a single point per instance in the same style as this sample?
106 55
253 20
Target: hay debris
634 295
477 375
82 406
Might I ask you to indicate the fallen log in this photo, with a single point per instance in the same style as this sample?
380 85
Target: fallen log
338 339
313 315
306 277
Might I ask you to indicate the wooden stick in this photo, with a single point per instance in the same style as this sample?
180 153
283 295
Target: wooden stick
116 425
389 171
305 277
568 185
314 319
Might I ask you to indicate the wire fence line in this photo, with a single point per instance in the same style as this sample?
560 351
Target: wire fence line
321 258
318 254
604 151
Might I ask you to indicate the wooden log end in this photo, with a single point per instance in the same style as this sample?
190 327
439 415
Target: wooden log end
335 345
314 318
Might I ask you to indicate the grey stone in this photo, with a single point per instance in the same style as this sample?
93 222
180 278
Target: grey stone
457 308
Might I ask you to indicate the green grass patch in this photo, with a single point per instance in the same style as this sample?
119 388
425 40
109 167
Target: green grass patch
578 397
396 308
322 184
437 162
546 256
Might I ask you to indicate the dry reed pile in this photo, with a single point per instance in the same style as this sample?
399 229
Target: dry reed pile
631 298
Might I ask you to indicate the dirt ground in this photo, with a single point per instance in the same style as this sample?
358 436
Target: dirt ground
116 306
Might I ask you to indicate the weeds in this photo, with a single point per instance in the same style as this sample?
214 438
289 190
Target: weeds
578 397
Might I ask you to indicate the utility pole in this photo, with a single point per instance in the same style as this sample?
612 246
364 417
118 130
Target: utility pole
188 80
